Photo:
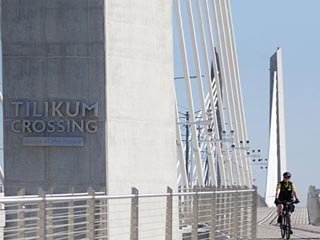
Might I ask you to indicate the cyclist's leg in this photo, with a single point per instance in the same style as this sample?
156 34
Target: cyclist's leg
289 222
279 211
290 214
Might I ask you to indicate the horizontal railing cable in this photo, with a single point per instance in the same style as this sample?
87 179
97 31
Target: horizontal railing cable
209 213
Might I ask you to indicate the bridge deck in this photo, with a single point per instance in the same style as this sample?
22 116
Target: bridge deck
268 228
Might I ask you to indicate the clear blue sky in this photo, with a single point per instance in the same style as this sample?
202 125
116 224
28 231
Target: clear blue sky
260 27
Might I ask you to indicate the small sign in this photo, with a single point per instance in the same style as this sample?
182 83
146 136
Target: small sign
53 141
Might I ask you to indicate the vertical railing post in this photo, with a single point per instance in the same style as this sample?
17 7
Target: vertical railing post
243 208
240 214
235 213
195 206
223 210
134 226
2 220
41 214
184 207
49 218
213 213
20 216
169 212
231 206
103 216
90 212
254 214
180 205
246 213
71 218
218 209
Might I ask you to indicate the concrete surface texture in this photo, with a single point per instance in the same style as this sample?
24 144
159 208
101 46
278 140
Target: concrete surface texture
141 147
53 51
89 98
313 205
277 163
59 70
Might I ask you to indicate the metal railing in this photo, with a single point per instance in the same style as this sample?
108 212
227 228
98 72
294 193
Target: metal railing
198 213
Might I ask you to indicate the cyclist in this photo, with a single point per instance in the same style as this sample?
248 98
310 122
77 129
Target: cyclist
285 192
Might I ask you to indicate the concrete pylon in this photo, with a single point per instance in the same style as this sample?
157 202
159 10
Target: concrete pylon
82 84
277 163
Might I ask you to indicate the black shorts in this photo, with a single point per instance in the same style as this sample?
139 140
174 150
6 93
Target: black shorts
291 208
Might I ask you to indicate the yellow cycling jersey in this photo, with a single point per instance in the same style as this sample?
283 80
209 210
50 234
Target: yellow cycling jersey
292 188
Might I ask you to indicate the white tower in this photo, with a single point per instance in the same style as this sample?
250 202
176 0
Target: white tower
277 145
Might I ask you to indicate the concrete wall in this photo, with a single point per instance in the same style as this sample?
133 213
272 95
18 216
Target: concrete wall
140 96
116 53
53 51
141 148
313 206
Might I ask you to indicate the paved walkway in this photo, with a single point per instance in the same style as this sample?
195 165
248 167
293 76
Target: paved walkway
268 228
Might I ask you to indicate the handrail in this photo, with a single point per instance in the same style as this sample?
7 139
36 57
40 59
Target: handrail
207 211
85 196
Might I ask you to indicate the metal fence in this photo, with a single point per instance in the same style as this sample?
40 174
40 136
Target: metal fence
198 213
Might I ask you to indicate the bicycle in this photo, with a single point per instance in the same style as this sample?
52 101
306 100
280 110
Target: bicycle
285 225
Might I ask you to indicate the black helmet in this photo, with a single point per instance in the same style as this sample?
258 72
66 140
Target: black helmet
287 175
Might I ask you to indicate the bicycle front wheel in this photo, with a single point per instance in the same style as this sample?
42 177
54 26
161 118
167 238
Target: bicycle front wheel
283 226
288 228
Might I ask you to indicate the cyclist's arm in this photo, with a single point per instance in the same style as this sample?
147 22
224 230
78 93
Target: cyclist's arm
278 190
294 192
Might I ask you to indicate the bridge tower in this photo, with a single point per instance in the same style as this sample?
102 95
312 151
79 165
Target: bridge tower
81 87
277 145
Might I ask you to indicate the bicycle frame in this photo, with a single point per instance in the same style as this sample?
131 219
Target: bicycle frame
285 225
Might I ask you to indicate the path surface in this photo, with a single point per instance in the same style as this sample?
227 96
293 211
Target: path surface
268 228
